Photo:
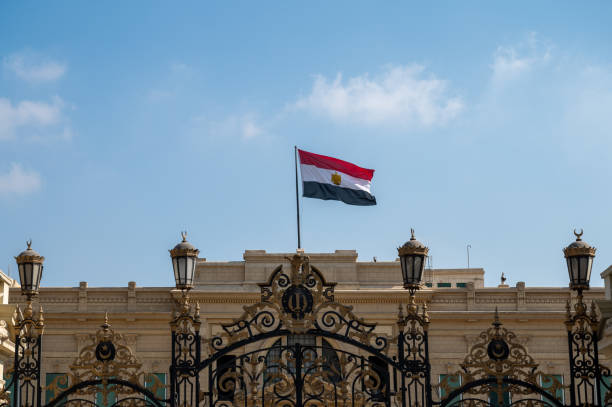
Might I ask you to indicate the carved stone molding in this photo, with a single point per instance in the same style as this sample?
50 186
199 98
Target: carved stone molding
495 300
81 340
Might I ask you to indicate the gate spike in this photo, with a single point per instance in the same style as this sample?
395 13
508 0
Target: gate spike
105 325
593 310
18 314
425 314
496 322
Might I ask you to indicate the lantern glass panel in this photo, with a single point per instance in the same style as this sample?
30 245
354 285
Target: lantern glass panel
572 268
22 275
182 269
418 269
175 268
404 264
585 272
36 275
29 273
190 268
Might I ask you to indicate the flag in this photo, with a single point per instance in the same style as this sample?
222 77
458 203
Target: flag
330 178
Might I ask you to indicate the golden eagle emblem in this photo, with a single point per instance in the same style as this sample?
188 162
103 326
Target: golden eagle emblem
336 178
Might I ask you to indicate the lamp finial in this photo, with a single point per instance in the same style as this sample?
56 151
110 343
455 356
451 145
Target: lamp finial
578 235
184 235
29 243
412 234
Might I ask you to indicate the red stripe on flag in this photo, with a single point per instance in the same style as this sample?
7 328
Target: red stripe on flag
331 163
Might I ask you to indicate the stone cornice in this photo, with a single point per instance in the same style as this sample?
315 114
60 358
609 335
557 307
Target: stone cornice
528 296
339 256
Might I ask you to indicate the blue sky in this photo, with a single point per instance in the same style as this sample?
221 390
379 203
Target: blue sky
122 124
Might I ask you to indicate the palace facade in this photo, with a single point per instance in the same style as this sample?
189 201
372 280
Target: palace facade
459 305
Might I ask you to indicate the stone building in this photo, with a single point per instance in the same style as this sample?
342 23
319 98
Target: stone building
460 308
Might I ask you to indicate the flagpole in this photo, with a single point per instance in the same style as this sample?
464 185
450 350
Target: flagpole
297 200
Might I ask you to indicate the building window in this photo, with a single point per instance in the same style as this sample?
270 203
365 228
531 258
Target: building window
111 397
55 384
461 285
606 382
428 284
549 382
451 382
156 384
494 399
312 345
379 393
331 363
273 361
444 285
7 381
226 382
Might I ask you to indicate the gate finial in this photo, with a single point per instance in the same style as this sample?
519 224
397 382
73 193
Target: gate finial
105 325
496 322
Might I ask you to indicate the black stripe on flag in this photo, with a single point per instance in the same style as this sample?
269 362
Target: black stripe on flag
349 196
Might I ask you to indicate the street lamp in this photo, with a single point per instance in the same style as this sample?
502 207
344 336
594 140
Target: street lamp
25 387
412 258
30 266
579 256
413 342
582 328
185 326
184 257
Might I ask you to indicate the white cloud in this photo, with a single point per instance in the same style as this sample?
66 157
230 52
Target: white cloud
19 182
33 68
28 114
509 62
250 129
400 95
246 126
564 97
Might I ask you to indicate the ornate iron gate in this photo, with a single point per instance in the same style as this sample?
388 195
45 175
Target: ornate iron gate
105 374
299 347
496 368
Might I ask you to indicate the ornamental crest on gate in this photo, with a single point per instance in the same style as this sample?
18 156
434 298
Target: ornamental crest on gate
107 359
297 301
499 363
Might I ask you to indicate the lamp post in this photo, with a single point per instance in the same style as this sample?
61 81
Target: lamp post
185 327
26 387
413 342
582 326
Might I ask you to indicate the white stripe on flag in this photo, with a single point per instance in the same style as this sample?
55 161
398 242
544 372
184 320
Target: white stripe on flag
324 176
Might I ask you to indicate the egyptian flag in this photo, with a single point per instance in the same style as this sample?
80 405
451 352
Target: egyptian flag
330 178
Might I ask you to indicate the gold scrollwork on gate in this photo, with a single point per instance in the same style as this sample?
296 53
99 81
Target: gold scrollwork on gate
352 382
498 354
104 358
298 301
